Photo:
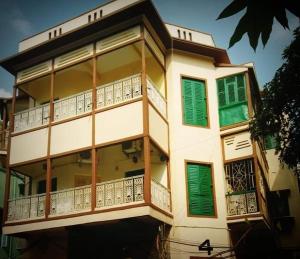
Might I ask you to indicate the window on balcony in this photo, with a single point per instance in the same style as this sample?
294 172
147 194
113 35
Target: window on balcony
119 75
232 96
194 102
200 190
26 200
241 187
74 177
73 90
32 104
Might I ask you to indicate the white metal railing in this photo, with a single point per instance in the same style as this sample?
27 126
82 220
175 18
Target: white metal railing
70 200
33 117
160 196
119 91
25 208
73 105
120 191
156 98
241 203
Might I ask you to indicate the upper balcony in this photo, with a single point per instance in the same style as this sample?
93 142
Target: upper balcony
86 96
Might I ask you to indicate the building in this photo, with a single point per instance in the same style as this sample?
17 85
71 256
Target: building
8 248
130 139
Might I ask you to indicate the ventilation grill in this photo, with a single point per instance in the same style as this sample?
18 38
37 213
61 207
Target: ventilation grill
154 47
73 56
118 39
34 71
242 144
237 146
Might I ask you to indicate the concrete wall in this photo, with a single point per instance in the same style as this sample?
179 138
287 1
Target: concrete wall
197 144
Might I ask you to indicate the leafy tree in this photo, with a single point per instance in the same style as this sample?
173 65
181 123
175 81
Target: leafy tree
279 112
258 19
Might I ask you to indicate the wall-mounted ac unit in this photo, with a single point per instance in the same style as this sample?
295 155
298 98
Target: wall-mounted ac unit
131 147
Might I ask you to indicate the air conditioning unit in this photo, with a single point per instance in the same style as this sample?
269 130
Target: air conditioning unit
85 157
131 147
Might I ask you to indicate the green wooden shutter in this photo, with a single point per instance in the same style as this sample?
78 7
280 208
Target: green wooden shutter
200 111
233 106
200 190
241 88
270 142
194 102
188 96
221 92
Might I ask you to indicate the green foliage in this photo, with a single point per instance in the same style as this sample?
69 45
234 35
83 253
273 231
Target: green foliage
279 112
258 19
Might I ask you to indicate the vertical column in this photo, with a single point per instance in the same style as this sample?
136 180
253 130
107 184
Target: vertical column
49 168
146 139
257 189
7 179
94 153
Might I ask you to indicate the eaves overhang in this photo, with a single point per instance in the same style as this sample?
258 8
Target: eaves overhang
218 54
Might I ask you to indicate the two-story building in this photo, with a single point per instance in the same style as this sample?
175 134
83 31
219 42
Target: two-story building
130 139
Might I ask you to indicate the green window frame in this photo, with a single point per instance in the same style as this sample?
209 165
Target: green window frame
194 102
200 190
270 142
232 100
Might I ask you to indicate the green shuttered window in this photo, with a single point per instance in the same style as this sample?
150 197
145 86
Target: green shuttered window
233 106
200 190
194 102
270 142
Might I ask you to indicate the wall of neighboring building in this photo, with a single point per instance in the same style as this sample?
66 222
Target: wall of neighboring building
282 178
202 144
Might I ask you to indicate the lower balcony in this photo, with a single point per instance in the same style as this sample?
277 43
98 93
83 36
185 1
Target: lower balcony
241 203
123 188
110 194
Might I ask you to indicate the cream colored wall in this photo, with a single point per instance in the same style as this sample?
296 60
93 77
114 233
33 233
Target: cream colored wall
280 178
29 146
119 123
155 72
197 36
74 23
113 163
38 88
197 144
225 71
237 145
71 135
73 80
158 129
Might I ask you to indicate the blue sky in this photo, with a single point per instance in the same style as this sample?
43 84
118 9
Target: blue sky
22 18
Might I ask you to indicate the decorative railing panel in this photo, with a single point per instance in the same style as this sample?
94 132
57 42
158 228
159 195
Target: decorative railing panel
32 118
240 204
156 98
70 200
241 187
119 91
160 196
73 105
4 139
26 208
121 191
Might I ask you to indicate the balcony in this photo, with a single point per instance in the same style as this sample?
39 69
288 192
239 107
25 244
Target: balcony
121 183
107 95
109 194
241 195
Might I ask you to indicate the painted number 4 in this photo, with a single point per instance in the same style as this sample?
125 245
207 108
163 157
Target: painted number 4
205 246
